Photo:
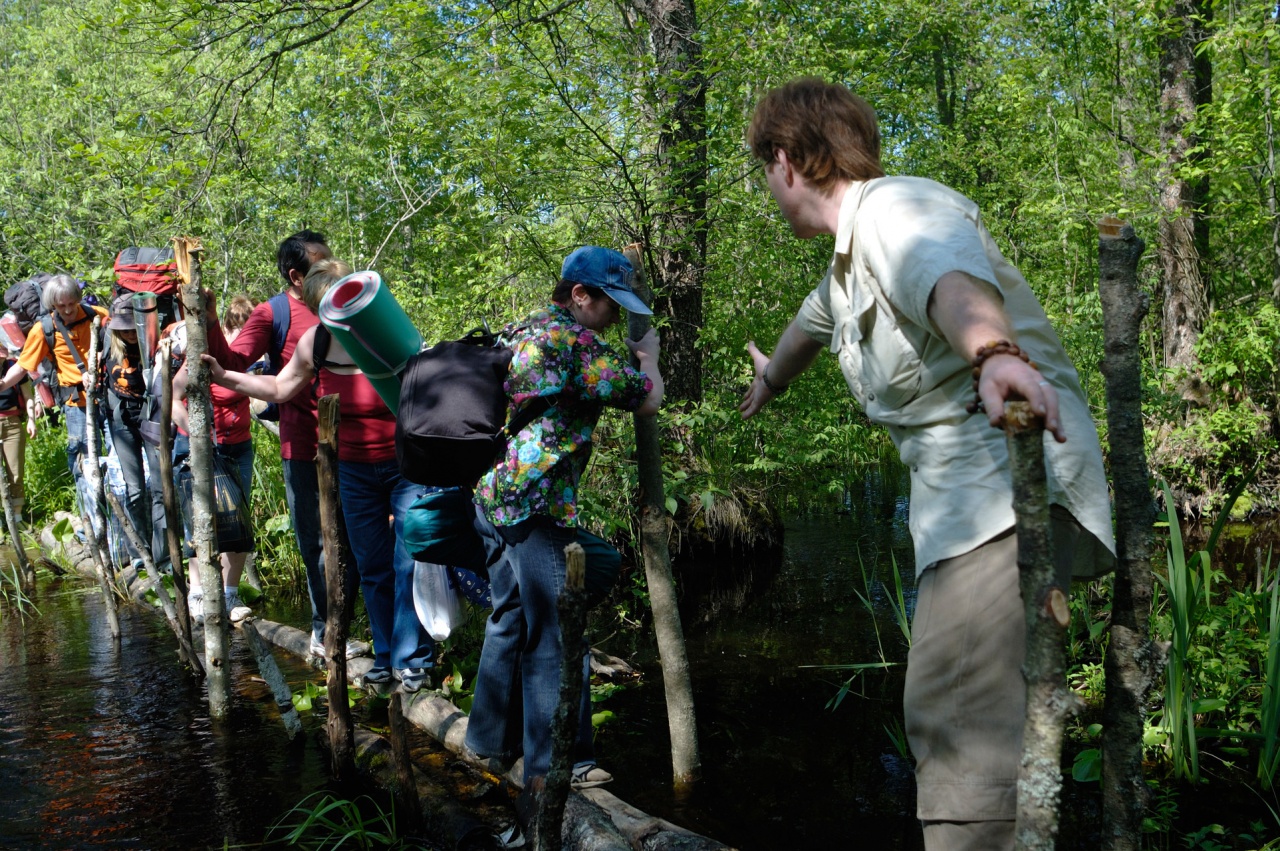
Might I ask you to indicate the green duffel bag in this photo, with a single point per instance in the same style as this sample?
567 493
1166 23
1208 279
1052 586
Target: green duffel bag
439 528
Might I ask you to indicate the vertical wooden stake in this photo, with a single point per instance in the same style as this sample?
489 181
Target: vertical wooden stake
217 641
655 531
275 680
1132 662
1049 701
408 806
172 518
187 652
572 607
95 520
336 557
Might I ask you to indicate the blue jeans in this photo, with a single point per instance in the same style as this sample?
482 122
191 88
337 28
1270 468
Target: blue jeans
370 493
302 495
518 685
241 457
76 448
144 504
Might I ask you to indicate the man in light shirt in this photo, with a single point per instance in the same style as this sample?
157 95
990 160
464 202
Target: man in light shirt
917 294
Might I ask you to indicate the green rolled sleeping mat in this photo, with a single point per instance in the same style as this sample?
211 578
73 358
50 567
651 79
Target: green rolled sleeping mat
371 325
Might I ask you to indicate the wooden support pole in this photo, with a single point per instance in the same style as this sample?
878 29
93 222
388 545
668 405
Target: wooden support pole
655 532
28 572
275 680
408 805
1133 662
336 558
186 651
172 516
1049 701
95 520
217 641
572 607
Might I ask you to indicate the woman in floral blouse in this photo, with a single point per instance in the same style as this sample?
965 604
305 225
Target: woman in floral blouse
527 510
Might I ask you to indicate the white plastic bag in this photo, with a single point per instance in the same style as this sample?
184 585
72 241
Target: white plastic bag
435 599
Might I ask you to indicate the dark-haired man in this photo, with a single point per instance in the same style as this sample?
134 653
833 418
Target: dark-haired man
917 294
273 329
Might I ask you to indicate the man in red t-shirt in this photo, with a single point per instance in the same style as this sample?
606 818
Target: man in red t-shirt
297 416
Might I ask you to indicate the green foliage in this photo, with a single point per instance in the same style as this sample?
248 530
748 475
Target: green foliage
13 595
323 821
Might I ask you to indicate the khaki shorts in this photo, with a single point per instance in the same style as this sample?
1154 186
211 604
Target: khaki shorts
965 698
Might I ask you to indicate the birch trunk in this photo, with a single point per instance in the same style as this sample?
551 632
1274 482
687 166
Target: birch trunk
153 579
655 530
217 644
1049 701
172 519
96 521
1132 661
336 558
275 680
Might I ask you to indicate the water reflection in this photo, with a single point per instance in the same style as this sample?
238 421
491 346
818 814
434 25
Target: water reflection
110 744
783 770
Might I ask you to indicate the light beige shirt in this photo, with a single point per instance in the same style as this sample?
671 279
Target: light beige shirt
896 237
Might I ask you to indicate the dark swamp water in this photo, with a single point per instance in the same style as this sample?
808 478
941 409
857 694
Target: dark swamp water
110 746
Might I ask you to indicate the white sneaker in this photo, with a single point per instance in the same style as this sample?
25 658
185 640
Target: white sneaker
316 648
195 607
236 609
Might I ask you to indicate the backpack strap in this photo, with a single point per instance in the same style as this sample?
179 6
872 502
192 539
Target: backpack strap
320 350
280 319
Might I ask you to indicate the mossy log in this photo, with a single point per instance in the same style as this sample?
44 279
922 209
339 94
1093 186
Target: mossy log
447 724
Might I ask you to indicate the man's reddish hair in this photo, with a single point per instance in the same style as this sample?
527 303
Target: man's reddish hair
828 132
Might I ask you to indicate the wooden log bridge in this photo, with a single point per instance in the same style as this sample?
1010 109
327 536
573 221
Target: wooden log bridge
594 819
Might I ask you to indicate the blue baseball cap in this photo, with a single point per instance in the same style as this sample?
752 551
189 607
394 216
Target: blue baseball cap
605 269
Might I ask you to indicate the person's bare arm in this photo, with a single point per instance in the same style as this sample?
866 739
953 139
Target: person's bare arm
15 374
646 350
297 373
970 314
795 352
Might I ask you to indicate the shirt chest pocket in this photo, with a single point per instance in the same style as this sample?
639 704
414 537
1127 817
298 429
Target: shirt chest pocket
887 366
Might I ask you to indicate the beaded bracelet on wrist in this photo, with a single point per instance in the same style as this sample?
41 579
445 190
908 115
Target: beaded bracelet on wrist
773 388
985 353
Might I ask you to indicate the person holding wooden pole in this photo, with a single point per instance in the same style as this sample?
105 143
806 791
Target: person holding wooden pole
932 328
274 329
527 510
371 486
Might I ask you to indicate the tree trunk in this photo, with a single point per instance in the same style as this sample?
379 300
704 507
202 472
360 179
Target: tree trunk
172 519
655 529
185 650
96 521
336 558
1132 662
274 679
1185 85
680 92
1049 702
217 643
1273 205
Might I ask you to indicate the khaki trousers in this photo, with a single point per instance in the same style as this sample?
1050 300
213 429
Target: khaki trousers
965 698
13 440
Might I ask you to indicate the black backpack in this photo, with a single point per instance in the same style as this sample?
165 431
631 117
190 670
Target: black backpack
452 423
23 298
